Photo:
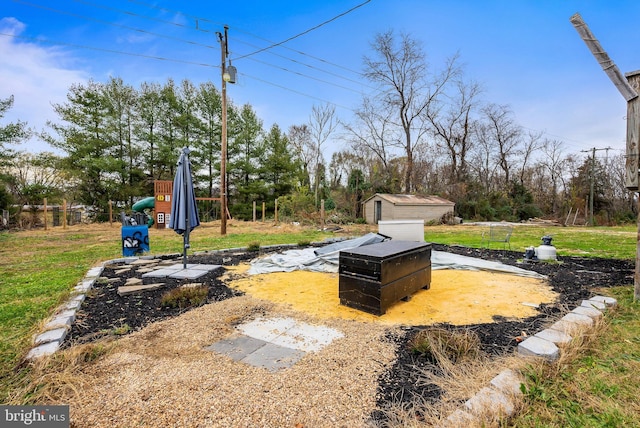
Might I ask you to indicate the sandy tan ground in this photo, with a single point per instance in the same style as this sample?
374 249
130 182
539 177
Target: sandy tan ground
162 376
457 297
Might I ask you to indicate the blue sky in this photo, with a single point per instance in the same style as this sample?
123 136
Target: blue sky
525 54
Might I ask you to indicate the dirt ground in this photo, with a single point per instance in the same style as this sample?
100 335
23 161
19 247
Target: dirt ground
159 374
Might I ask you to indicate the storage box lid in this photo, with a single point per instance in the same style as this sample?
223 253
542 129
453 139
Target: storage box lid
387 249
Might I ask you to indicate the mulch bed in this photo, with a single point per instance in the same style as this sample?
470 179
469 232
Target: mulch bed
573 278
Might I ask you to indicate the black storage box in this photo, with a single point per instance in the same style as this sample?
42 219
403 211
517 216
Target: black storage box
374 277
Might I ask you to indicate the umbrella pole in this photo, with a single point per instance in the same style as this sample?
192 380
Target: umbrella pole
186 210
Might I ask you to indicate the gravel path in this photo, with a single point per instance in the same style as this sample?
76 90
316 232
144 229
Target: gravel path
162 376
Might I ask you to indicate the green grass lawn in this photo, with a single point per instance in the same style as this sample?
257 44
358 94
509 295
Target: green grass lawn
39 268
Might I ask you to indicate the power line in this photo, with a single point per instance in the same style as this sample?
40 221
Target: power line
41 40
198 19
306 31
113 24
196 44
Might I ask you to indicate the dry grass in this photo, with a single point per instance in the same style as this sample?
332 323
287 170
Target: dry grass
62 376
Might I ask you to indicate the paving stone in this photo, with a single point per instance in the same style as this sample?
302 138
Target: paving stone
489 400
123 270
555 336
160 273
43 350
590 312
266 329
132 289
238 347
188 274
192 285
133 281
609 301
307 337
537 347
508 382
55 335
594 304
578 319
274 357
143 261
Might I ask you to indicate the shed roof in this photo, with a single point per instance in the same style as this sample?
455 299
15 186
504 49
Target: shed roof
401 199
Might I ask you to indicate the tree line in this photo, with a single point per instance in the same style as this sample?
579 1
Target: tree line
421 129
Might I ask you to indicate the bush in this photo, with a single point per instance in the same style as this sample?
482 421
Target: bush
185 297
438 343
253 246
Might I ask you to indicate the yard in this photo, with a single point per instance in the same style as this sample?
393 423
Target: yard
29 290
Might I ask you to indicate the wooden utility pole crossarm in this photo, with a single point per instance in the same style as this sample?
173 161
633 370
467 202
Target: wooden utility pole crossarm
603 59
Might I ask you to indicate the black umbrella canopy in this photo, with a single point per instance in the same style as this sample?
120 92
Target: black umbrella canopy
184 211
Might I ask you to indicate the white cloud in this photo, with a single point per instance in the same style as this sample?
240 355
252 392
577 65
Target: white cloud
37 76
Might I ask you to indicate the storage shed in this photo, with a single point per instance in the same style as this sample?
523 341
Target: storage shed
385 206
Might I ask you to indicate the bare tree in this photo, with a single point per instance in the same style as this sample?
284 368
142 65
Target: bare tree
322 125
407 89
554 162
453 127
531 143
300 139
505 134
372 134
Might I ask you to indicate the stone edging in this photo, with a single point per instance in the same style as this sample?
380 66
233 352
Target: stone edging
500 397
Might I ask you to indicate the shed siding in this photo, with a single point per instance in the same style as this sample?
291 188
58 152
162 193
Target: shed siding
391 211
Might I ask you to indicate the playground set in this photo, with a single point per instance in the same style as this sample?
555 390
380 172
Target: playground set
152 211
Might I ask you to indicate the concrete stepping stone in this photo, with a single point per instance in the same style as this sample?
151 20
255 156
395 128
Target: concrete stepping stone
133 281
140 262
132 289
275 343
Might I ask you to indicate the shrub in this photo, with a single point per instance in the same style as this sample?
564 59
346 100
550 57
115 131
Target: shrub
185 297
438 343
253 246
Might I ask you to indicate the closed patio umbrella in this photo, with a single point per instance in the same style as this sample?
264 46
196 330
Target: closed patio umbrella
184 212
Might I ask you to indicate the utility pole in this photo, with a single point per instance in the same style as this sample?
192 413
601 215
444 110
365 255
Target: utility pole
228 75
592 179
629 87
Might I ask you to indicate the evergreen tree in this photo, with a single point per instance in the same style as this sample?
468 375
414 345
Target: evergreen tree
84 137
245 163
280 168
11 133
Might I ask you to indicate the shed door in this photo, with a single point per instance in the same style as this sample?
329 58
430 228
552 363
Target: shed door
377 212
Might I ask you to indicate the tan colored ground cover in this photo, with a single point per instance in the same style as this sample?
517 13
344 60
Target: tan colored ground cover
457 297
162 376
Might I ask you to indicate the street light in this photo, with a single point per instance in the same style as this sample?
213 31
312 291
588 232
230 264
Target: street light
228 75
